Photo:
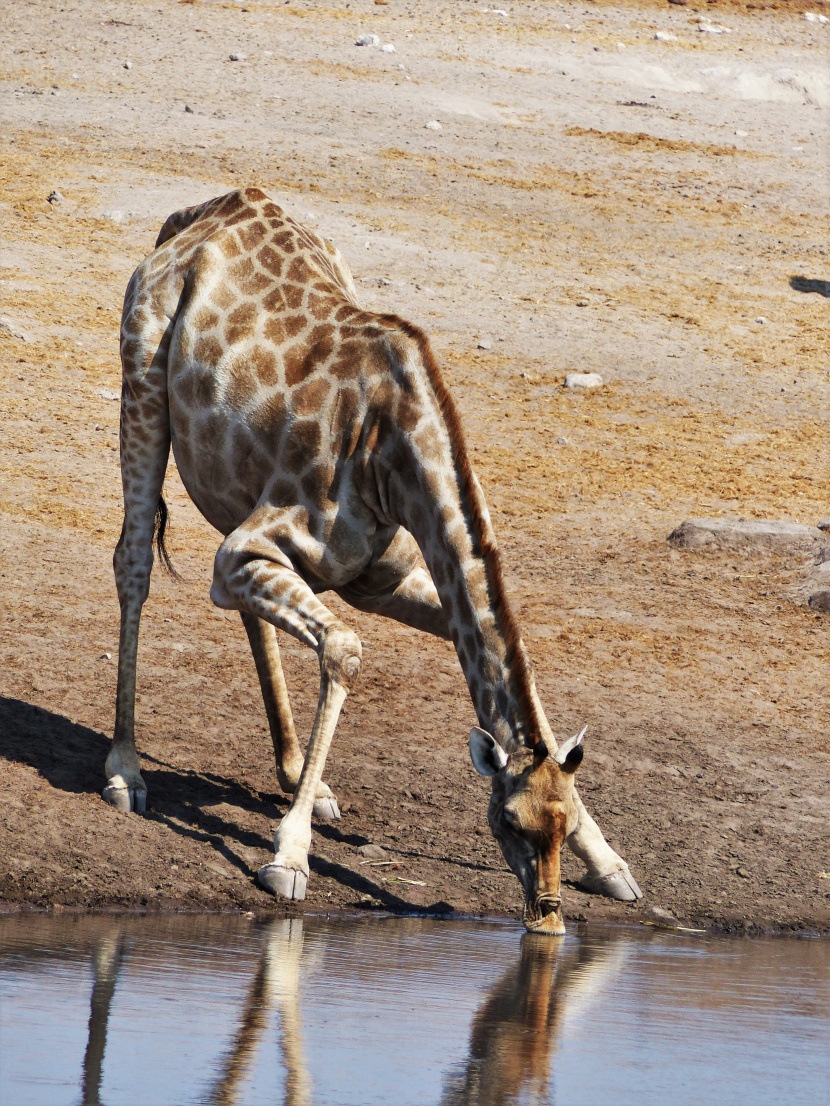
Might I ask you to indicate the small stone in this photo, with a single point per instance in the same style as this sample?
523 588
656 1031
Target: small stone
105 657
485 343
583 303
742 134
576 381
237 57
107 393
820 601
54 197
128 65
823 524
760 319
188 109
370 851
816 17
713 29
387 48
659 915
665 36
367 40
433 125
742 872
561 441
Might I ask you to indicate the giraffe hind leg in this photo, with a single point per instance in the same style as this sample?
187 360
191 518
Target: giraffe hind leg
145 447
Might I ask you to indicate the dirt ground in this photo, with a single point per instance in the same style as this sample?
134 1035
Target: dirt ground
595 199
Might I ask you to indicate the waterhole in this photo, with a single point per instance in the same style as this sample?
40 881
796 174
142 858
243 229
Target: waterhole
406 1012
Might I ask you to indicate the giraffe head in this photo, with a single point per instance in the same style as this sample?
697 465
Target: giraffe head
532 810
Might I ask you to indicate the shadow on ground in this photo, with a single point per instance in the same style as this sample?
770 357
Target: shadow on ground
809 284
71 758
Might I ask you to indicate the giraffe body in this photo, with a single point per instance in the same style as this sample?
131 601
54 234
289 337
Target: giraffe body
320 440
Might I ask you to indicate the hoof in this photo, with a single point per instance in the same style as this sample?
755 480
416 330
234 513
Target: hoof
619 885
326 809
286 883
126 799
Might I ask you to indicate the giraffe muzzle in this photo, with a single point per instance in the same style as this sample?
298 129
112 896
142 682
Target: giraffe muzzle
544 915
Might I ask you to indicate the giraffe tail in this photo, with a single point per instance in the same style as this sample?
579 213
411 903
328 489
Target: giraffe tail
162 516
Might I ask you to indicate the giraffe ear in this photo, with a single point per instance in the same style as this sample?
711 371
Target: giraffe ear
487 755
569 754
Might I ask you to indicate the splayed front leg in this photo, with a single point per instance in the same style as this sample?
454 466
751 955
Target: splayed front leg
607 873
287 874
287 753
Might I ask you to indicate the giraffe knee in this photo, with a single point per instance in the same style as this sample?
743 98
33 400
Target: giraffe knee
228 585
341 655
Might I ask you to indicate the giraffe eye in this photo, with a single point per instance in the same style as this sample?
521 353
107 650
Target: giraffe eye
512 819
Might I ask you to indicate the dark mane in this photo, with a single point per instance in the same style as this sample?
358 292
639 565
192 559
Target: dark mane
517 659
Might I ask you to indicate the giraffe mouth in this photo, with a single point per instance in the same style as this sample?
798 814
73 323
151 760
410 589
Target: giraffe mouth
544 915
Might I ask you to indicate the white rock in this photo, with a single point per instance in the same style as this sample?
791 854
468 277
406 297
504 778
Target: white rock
583 380
10 326
665 36
433 125
495 11
760 319
54 197
742 134
367 40
107 393
387 48
237 57
695 533
815 17
128 65
713 29
485 343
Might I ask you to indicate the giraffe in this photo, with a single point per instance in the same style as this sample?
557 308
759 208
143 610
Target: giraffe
320 440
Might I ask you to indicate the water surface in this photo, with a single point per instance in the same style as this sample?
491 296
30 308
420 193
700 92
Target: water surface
175 1011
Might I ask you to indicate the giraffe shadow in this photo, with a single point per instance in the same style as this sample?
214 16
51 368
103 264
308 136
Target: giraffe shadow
70 757
810 284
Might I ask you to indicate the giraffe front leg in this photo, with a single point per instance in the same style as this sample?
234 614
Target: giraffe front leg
607 873
287 752
254 575
287 874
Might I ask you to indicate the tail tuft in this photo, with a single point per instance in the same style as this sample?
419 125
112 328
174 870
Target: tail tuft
162 516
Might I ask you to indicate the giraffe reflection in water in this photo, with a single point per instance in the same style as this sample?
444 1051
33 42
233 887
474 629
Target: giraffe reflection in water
512 1039
514 1032
107 959
275 984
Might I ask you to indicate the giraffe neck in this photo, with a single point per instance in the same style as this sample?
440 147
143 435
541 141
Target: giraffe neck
444 508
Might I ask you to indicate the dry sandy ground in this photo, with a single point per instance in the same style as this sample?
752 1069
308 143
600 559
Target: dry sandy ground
596 199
